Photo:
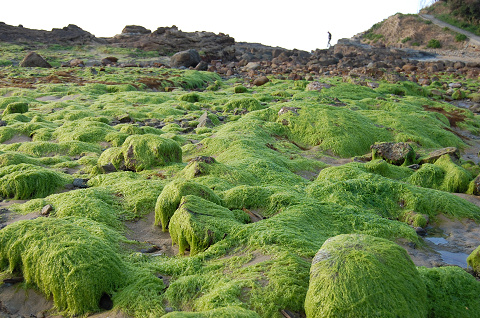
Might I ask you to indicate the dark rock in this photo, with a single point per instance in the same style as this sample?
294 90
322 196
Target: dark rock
34 60
185 58
110 60
151 249
69 35
204 159
46 210
135 29
202 66
80 183
69 186
420 231
109 167
125 118
394 153
414 166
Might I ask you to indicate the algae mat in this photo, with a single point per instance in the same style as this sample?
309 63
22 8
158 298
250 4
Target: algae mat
247 184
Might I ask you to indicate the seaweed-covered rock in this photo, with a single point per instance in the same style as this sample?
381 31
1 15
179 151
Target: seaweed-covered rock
474 260
451 292
443 175
364 276
143 151
433 156
248 103
225 312
27 181
399 153
198 223
17 107
169 200
140 152
73 260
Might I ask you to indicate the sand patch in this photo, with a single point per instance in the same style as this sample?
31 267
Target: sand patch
144 231
257 257
17 302
17 139
57 98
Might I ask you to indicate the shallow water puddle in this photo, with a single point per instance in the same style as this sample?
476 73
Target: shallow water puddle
459 259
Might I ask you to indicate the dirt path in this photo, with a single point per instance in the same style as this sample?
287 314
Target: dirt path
474 39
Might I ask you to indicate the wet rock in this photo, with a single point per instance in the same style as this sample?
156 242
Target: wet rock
33 59
185 58
395 153
453 152
46 210
125 118
205 159
262 80
80 183
420 231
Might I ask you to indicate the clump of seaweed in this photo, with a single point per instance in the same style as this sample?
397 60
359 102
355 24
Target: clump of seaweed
451 292
169 200
26 181
68 259
198 223
364 276
140 152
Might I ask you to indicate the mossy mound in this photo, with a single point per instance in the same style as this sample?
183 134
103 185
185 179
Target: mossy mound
140 152
354 185
364 276
68 259
451 292
474 260
227 312
247 103
27 181
16 107
83 130
443 175
198 223
341 131
169 200
95 204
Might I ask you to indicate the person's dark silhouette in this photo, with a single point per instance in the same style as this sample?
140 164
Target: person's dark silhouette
329 38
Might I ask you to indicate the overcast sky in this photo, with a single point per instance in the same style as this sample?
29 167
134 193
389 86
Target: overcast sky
301 24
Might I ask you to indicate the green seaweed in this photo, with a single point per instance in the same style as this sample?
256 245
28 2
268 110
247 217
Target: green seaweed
26 181
171 196
451 292
364 276
65 259
473 260
198 223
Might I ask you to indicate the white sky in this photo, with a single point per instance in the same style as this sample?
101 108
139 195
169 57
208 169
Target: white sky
301 24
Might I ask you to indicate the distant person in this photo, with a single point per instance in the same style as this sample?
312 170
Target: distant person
329 38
